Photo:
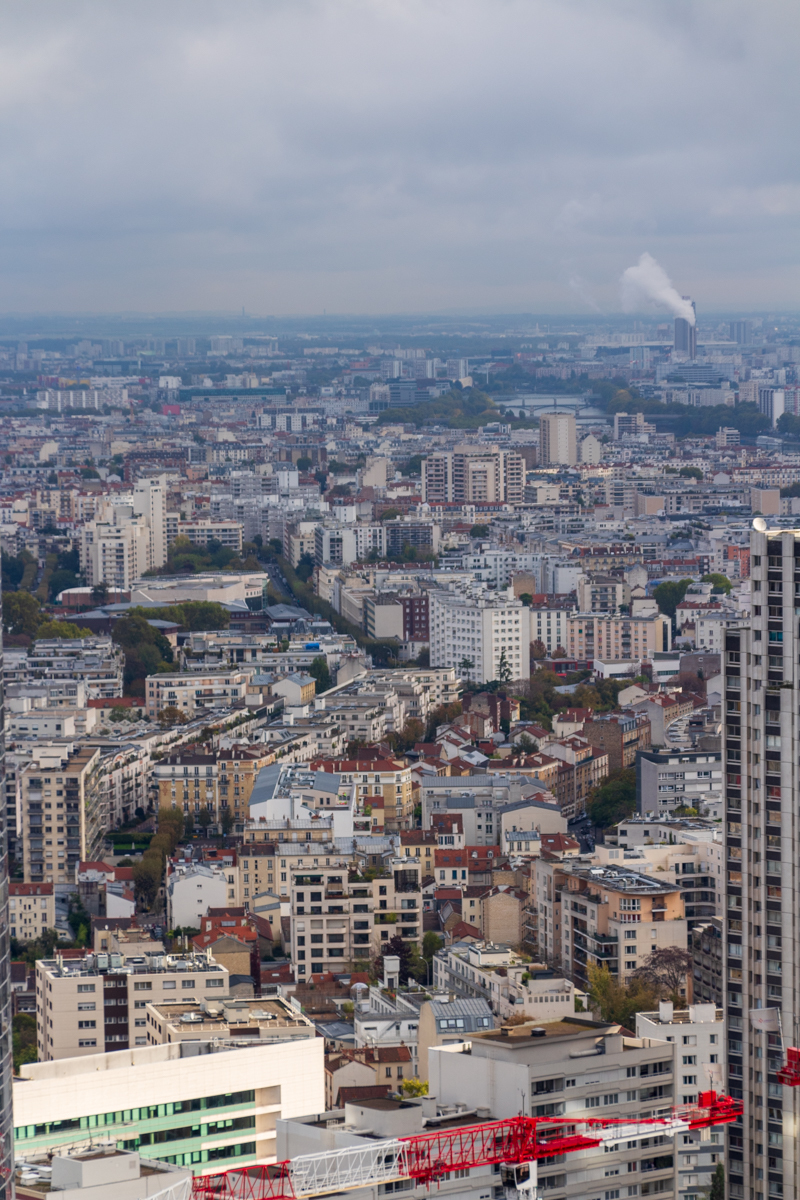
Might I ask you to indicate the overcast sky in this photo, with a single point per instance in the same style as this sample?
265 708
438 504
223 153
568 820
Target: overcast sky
383 156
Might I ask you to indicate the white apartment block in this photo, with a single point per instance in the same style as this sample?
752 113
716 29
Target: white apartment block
482 627
549 626
340 917
497 565
194 693
96 1003
698 1036
557 439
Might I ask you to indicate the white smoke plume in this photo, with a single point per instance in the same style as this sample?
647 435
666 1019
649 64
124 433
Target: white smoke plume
648 283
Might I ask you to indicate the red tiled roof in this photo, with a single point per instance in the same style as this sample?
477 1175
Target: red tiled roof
30 889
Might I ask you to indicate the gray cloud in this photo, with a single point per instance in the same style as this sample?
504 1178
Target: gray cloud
395 155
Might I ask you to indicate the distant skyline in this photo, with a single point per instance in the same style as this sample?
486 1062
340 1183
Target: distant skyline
396 157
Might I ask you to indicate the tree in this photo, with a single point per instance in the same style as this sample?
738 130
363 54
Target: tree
669 594
538 650
431 944
303 463
616 1001
146 880
147 652
205 818
100 594
171 716
466 667
666 968
61 629
389 514
305 567
526 744
691 473
717 1191
188 826
503 667
407 953
614 799
226 821
24 1039
479 531
720 582
21 613
411 1087
527 599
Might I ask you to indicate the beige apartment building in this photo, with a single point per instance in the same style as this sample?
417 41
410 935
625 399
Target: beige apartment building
194 781
472 474
97 1002
610 637
387 779
594 915
193 694
263 1020
340 917
32 910
64 812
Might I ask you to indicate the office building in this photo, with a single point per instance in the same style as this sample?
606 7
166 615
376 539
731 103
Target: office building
772 403
686 335
6 1047
96 1003
64 815
472 474
760 751
201 1104
557 440
484 634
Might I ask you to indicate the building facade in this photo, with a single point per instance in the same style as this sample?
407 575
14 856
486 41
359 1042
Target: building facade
488 629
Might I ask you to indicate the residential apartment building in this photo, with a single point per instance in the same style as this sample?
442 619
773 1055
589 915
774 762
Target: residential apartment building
486 805
557 439
548 623
194 888
32 910
698 1035
575 1067
388 779
597 915
95 662
706 946
473 474
63 812
761 947
184 1019
96 1003
491 630
197 692
620 735
202 531
507 982
610 637
218 782
340 917
205 1104
666 780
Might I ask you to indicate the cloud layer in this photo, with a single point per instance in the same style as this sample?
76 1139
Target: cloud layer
396 155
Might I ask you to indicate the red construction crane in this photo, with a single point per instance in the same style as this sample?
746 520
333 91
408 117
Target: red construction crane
515 1144
790 1074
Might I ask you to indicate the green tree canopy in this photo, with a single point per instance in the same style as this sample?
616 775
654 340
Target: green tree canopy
720 582
669 594
614 799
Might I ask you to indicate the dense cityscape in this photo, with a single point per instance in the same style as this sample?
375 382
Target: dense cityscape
397 705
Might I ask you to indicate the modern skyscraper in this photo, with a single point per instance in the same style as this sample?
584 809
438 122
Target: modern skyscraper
557 441
761 744
686 335
6 1048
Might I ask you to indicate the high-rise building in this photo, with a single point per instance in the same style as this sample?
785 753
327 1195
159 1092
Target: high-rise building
557 442
772 403
489 629
6 1052
762 947
686 335
472 474
741 332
